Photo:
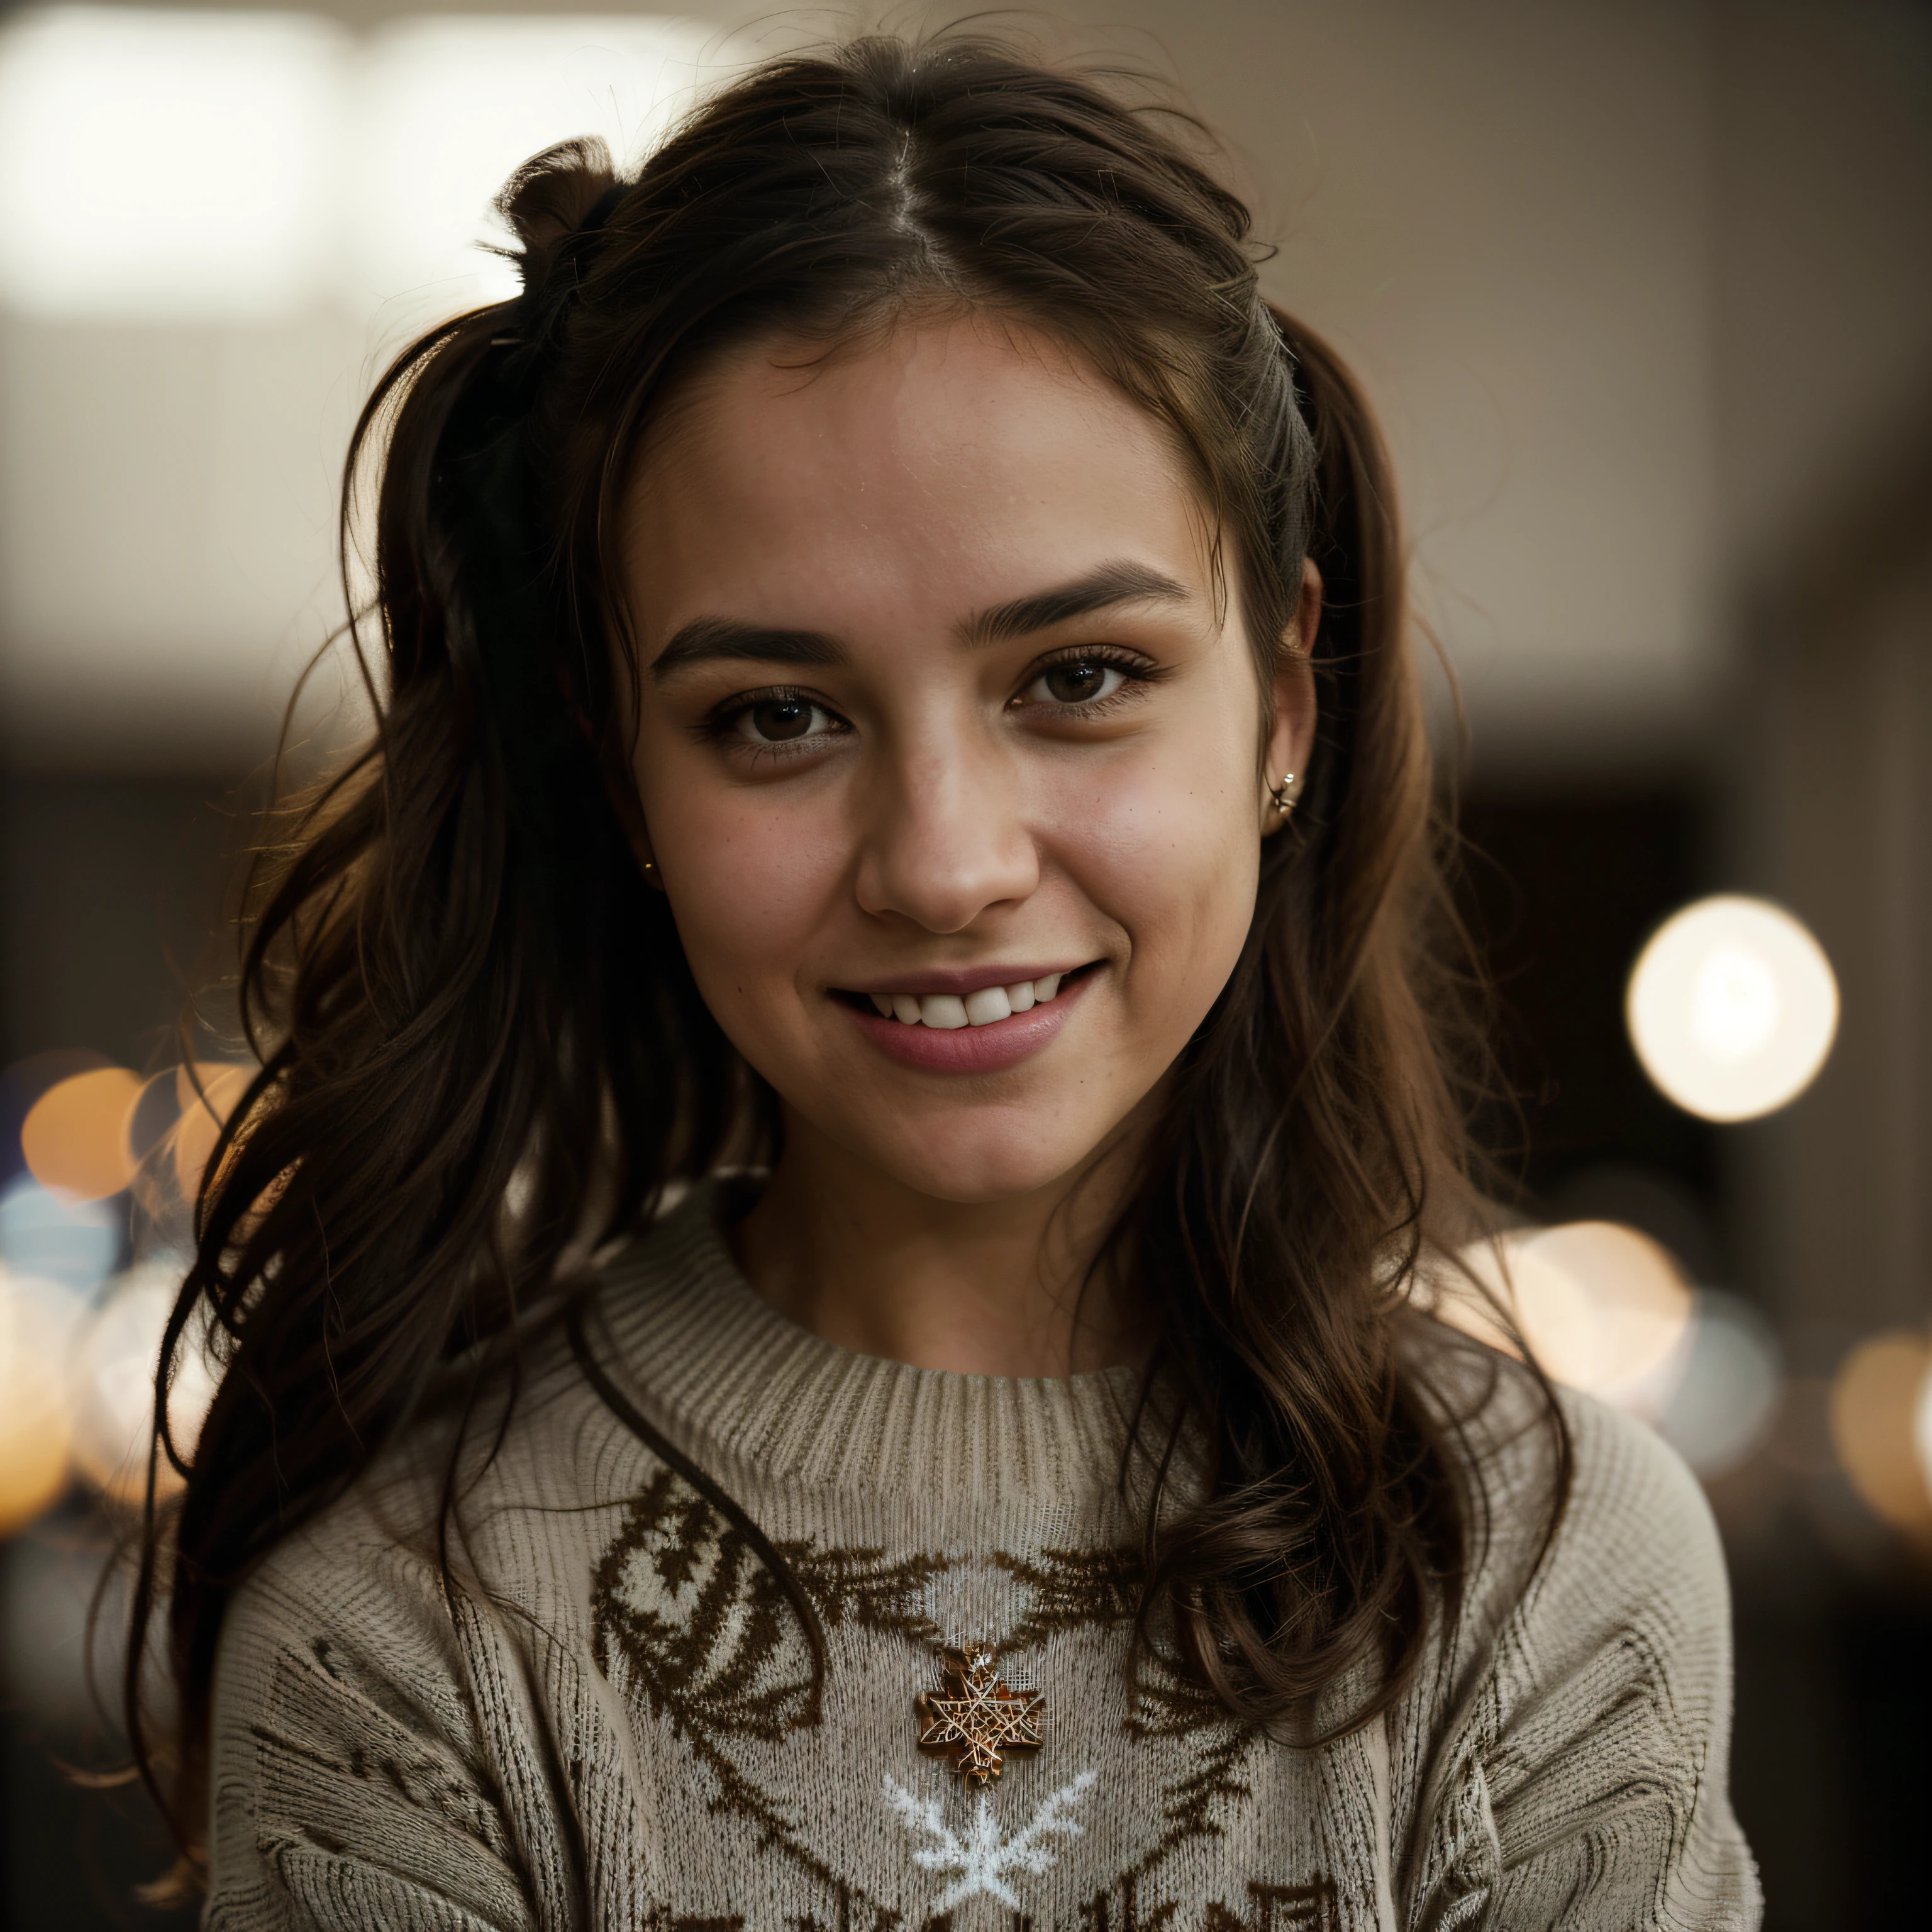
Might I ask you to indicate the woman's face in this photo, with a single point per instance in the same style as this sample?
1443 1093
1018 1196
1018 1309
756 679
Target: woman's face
949 765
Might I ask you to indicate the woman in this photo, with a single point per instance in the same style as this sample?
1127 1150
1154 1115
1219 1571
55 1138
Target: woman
822 1280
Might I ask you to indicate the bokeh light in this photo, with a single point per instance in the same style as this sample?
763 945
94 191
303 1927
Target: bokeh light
112 1385
1875 1399
1511 1286
80 1332
1639 1308
1922 1426
207 1092
36 1322
75 1138
1733 1007
1605 1309
1727 1380
51 1236
1602 1307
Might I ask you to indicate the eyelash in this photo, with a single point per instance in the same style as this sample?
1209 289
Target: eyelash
723 720
1136 670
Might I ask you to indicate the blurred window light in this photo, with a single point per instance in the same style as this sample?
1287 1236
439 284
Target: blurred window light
450 106
1875 1398
157 165
234 166
75 1138
1733 1007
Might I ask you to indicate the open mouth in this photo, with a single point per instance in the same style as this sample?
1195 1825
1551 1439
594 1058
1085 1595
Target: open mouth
986 1006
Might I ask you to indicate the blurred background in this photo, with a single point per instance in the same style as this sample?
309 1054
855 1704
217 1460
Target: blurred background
1643 289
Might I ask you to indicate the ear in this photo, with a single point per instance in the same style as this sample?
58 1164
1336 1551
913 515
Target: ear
620 787
1292 738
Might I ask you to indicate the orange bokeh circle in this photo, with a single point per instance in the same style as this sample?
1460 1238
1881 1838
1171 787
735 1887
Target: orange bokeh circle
208 1093
75 1136
1873 1398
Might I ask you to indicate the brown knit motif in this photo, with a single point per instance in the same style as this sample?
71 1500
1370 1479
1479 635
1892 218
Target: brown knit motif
712 1643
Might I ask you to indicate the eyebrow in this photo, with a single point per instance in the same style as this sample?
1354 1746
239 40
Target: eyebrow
1101 590
705 639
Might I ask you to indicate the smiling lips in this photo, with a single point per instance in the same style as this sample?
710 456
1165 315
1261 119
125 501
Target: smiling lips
977 1029
948 1012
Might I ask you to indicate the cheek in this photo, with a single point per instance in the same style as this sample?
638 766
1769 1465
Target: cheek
750 882
1169 850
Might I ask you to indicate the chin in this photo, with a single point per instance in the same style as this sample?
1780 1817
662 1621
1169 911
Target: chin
973 1172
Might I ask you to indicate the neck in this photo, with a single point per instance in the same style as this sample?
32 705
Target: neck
994 1287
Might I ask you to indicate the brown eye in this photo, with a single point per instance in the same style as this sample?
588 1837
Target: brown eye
782 721
1076 681
783 718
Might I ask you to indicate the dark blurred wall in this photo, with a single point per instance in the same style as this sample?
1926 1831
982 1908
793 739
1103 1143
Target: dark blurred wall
1821 119
1563 888
110 885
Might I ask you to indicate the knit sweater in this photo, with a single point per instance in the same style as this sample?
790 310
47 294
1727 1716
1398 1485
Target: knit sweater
602 1714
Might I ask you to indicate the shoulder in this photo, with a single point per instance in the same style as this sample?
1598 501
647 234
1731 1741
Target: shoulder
1572 1743
1623 1627
1576 1509
376 1589
1633 1551
514 1448
1595 1613
1636 1525
373 1706
344 1632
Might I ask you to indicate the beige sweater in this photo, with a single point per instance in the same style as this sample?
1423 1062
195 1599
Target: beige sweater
610 1724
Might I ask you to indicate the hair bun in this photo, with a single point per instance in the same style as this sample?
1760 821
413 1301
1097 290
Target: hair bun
563 192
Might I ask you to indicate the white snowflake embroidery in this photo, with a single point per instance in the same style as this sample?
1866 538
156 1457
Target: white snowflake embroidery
985 1856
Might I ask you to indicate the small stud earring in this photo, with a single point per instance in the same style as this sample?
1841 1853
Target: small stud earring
1284 802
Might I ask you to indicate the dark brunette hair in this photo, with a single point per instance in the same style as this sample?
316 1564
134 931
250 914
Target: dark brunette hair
460 988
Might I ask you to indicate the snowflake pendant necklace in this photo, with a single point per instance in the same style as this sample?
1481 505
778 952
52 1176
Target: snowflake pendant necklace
976 1717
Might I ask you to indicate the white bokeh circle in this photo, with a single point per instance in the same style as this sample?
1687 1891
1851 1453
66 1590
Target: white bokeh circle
1733 1007
1922 1428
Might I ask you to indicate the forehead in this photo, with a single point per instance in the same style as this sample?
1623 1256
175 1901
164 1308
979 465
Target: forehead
950 462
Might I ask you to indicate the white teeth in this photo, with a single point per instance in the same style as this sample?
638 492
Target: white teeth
986 1007
988 1004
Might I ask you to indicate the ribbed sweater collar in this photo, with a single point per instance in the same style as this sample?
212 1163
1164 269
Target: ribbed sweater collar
710 1359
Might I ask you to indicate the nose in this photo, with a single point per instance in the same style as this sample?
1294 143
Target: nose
946 837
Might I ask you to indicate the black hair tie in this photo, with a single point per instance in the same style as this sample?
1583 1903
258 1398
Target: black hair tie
604 207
